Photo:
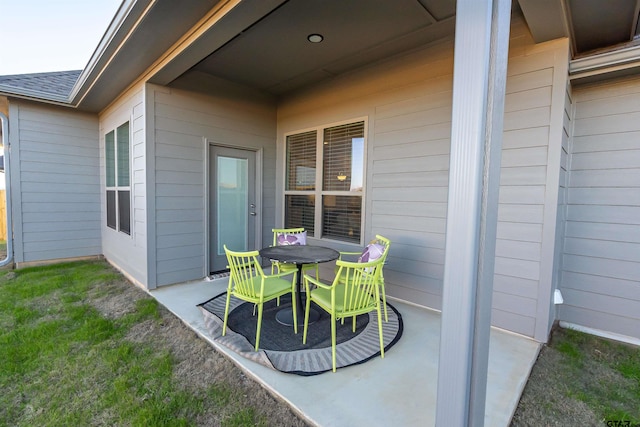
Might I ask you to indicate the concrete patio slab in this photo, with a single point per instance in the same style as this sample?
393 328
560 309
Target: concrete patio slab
397 390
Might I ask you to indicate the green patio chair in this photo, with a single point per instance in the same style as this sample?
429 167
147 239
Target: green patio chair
357 294
291 236
377 248
248 282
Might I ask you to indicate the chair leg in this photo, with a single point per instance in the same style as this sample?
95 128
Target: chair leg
226 314
306 320
380 332
294 312
333 340
259 325
384 300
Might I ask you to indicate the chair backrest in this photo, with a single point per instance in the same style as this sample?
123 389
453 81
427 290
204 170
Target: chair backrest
361 293
298 234
378 248
244 270
384 242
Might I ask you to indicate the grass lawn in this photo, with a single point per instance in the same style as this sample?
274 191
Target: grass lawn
582 380
81 346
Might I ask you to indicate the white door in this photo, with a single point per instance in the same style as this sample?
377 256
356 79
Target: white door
233 209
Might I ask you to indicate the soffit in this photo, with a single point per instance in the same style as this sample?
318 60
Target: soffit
596 24
275 56
147 32
591 25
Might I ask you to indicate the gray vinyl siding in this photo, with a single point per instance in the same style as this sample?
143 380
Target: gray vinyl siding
128 252
601 269
56 188
183 119
408 105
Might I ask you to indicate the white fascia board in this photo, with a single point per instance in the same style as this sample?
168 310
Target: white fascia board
94 67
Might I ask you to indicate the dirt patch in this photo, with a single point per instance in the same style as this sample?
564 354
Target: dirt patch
115 299
197 364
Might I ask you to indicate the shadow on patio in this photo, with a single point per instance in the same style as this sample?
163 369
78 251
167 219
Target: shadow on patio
397 390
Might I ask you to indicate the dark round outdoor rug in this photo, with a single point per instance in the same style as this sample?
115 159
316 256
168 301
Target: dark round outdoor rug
282 349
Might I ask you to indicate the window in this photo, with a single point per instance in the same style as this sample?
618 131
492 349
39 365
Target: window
117 179
325 180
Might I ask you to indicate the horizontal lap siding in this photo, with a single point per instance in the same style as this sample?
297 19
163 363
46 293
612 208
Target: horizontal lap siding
59 201
522 197
408 103
182 120
408 188
601 264
409 184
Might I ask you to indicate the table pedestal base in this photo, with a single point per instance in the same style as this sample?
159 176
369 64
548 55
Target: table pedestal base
285 317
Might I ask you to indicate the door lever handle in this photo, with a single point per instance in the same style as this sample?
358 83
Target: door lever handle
252 213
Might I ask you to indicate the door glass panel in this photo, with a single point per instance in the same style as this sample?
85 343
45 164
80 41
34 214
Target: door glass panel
233 203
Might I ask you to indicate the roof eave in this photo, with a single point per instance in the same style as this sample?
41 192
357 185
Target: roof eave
126 19
33 95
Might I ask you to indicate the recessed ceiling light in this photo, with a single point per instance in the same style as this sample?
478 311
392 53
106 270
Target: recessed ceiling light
315 38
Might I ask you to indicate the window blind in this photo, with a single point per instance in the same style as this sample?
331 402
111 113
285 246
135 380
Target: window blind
341 217
343 157
301 161
300 212
339 186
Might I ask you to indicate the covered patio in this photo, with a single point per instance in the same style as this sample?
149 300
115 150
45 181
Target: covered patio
397 390
481 140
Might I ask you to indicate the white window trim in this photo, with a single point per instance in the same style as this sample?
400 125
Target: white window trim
318 192
117 188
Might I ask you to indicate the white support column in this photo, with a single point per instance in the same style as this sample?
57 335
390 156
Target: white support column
479 80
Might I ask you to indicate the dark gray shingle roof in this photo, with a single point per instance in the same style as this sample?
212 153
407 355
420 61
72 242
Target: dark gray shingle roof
55 85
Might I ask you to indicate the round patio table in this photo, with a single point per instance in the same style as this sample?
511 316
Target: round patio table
298 255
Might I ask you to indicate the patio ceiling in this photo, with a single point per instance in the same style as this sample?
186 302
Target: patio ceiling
274 54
